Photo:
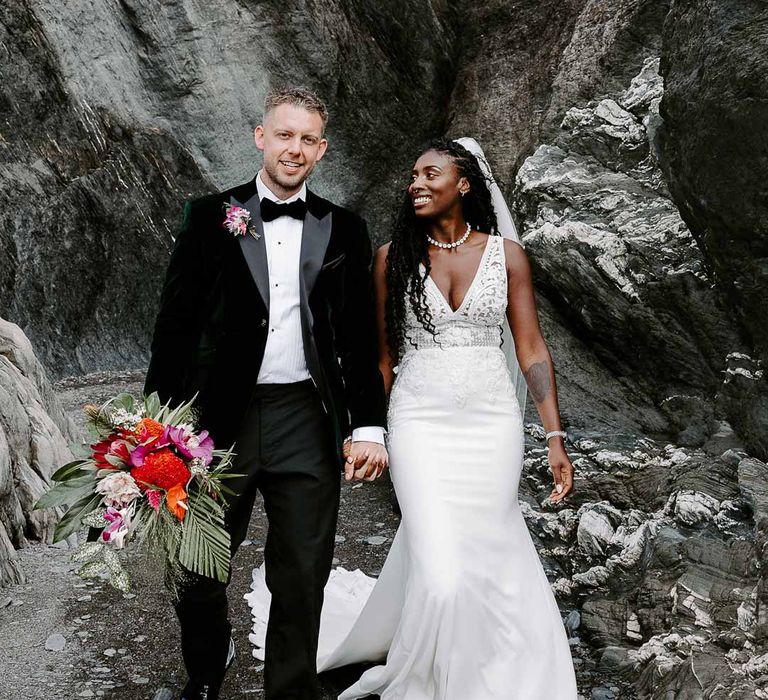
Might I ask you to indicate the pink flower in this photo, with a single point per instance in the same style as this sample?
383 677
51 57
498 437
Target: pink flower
155 498
190 445
237 221
139 453
119 489
119 525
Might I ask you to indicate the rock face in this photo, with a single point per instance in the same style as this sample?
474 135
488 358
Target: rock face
34 435
525 64
113 114
618 264
713 146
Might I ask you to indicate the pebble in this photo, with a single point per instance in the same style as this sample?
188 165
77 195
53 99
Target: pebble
376 539
87 693
110 652
163 694
140 680
602 694
55 642
84 598
140 638
573 621
340 539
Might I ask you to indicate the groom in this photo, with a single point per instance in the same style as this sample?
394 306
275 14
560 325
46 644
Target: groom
274 331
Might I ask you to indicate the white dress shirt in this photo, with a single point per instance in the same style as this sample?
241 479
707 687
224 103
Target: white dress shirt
284 360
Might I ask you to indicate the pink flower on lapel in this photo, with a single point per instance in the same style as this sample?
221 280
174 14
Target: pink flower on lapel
238 221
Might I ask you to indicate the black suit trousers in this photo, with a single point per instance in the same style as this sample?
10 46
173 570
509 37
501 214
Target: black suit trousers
286 451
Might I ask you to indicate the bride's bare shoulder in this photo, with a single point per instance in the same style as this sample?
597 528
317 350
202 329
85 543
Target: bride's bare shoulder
518 266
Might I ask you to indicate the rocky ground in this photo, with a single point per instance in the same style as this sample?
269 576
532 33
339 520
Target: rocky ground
652 560
68 638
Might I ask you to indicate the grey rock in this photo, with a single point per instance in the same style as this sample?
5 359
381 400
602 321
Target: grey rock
612 255
34 436
572 622
376 540
715 123
55 642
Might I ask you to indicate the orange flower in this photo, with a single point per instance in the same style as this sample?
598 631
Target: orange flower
176 498
148 429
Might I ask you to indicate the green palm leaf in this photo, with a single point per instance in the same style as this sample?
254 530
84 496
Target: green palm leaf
204 541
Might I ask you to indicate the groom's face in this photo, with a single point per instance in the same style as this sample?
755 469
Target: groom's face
292 140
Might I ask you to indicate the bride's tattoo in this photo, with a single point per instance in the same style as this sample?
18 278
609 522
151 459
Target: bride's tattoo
537 378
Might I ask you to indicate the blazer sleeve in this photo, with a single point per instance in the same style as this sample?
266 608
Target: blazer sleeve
178 326
355 336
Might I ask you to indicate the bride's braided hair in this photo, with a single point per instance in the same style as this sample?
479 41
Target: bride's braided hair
409 246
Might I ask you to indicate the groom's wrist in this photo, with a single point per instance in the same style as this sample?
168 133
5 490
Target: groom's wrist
369 433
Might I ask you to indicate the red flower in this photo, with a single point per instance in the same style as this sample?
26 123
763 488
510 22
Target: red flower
162 469
101 448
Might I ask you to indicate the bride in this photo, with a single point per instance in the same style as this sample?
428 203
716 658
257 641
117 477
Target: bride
462 609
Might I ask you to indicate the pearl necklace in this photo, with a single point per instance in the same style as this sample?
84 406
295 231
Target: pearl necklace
455 244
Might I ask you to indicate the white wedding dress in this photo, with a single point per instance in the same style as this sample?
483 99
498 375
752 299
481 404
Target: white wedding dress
462 609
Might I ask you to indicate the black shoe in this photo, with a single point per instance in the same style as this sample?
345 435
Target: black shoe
195 692
192 691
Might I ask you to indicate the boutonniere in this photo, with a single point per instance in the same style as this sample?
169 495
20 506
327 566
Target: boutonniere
238 221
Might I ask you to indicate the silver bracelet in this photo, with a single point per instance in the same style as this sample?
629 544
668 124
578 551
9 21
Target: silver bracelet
555 433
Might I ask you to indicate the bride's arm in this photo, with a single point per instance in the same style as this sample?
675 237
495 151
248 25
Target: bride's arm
535 361
380 291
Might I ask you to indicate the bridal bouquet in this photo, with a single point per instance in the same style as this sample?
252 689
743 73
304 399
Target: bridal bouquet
149 476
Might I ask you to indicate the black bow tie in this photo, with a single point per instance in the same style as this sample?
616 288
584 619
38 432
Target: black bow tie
270 210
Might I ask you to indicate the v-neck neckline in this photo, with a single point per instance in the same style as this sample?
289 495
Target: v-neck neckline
467 294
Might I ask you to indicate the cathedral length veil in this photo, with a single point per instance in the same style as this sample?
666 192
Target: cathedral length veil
506 229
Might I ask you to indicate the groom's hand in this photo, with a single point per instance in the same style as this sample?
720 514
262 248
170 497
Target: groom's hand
366 461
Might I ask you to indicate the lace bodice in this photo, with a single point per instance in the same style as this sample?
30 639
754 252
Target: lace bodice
477 322
464 358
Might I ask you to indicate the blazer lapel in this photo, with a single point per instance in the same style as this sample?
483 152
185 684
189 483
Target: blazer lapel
314 243
254 249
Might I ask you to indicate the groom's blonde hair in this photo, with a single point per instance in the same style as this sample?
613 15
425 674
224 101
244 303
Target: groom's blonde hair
298 97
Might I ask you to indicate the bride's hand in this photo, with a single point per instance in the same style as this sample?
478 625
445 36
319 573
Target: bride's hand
562 471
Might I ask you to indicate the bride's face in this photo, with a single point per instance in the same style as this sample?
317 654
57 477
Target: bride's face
436 185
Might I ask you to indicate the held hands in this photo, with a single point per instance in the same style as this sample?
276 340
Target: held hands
364 461
562 470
